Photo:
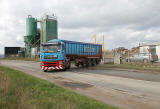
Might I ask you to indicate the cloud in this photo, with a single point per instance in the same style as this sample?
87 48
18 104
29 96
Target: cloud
123 22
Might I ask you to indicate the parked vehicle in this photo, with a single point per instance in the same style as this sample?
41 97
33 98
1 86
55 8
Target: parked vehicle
58 54
143 57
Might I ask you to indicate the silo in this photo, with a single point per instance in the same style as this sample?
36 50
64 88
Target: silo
28 51
49 29
31 32
31 26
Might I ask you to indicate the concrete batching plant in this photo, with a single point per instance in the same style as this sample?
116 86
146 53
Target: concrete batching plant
34 36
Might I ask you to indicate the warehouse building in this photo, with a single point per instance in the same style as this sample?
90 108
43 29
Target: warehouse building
11 51
14 52
153 47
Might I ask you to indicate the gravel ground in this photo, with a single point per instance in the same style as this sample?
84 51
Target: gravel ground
124 89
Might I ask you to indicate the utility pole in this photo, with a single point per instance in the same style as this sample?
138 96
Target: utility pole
149 55
103 43
128 56
103 48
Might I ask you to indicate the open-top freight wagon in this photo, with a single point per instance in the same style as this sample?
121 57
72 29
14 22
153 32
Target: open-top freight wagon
57 54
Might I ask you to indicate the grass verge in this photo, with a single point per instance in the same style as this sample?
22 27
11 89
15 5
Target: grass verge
21 91
133 66
22 59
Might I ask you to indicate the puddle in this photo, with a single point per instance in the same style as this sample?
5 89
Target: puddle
76 85
58 78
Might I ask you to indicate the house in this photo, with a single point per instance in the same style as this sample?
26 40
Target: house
152 47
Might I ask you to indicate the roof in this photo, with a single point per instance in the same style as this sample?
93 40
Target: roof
149 44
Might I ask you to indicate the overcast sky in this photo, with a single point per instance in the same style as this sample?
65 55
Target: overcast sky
123 22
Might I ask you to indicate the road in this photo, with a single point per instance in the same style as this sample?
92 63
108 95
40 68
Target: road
124 89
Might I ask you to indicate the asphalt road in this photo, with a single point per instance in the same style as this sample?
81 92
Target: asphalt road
124 89
125 74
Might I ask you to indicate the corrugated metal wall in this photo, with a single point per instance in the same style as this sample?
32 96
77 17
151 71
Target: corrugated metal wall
77 48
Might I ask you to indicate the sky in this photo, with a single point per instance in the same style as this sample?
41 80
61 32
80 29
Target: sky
123 22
